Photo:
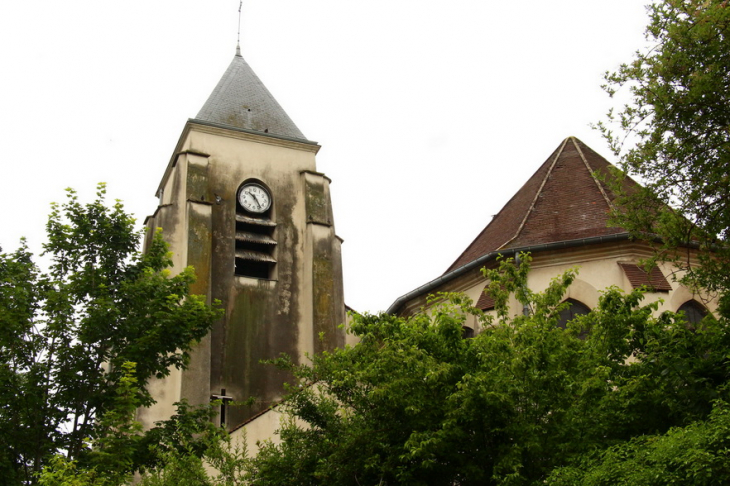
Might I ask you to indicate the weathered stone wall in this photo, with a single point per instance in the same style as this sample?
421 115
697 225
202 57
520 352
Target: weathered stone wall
263 317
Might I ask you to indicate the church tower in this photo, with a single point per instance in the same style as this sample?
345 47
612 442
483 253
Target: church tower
242 202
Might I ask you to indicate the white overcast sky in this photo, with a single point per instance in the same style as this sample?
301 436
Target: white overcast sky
431 114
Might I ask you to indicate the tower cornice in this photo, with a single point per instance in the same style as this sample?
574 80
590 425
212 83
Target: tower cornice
252 135
220 130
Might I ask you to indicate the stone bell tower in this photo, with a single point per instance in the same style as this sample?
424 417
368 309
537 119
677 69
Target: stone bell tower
242 202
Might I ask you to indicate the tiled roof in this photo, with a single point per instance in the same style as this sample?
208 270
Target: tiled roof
638 277
485 302
562 201
241 100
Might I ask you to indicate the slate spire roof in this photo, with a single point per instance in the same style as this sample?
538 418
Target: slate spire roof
562 201
241 100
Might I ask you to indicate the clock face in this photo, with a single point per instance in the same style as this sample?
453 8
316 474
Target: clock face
254 198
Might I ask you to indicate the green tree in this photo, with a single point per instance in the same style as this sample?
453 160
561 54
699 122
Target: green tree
110 460
695 454
183 465
415 403
66 334
673 134
178 448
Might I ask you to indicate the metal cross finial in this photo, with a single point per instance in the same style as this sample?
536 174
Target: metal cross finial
224 404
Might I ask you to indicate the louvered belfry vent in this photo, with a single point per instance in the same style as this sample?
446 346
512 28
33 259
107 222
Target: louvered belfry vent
255 243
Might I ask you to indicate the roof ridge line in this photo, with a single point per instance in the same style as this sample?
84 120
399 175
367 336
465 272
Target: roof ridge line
537 194
592 172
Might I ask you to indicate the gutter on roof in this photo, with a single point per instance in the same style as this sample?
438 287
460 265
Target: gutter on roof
482 260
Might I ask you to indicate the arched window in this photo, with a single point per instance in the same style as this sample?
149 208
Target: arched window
575 309
693 311
467 332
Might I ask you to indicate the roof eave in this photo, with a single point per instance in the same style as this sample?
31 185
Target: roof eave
484 259
253 132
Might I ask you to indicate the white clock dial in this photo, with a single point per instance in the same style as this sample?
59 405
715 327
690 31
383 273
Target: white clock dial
254 198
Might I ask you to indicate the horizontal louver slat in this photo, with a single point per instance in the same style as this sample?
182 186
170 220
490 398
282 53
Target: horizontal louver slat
256 221
255 238
255 256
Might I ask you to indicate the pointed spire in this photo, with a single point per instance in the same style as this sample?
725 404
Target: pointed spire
562 201
241 100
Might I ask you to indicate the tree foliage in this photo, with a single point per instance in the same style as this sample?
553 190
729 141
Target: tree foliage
673 134
222 463
415 403
181 448
66 334
696 454
110 460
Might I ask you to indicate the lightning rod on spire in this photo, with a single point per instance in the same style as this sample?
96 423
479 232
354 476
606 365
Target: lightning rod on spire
238 40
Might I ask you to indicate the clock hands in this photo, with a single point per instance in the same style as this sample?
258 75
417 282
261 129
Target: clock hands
255 199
